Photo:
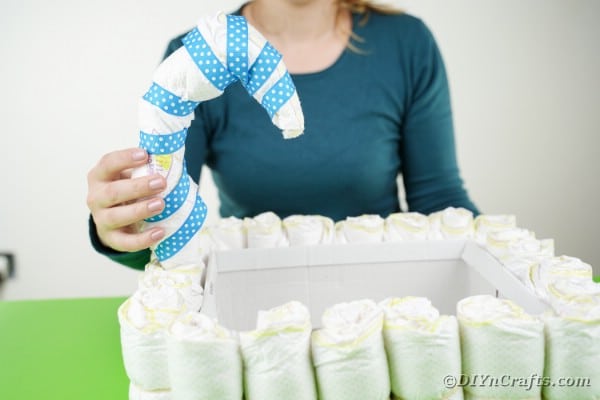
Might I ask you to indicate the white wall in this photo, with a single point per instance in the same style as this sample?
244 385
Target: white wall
524 88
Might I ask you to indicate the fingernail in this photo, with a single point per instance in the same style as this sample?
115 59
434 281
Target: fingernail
156 235
138 155
155 205
156 183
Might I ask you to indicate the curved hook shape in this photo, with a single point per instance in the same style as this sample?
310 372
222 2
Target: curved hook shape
219 51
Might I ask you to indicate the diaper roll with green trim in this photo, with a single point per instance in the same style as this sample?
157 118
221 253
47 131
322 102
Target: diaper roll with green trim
423 349
220 51
349 355
499 341
573 342
367 228
451 223
406 226
204 359
144 318
308 230
277 361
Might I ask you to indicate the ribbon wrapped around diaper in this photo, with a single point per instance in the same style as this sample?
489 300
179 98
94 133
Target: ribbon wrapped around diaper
277 361
499 339
349 355
204 359
219 51
423 348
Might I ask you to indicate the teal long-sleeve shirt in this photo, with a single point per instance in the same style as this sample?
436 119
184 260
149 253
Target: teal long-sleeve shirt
381 110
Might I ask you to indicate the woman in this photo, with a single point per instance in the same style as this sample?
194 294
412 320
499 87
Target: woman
376 104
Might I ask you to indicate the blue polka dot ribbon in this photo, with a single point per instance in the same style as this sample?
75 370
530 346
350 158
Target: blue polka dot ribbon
169 102
175 199
237 47
278 95
262 68
162 143
174 243
206 61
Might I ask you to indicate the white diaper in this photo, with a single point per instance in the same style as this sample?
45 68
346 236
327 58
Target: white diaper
349 354
144 318
499 339
308 230
265 231
422 348
204 359
451 223
277 359
361 229
406 226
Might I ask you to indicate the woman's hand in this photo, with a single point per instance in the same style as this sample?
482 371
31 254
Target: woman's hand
118 203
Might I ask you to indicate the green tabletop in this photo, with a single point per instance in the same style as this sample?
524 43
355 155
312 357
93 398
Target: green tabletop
61 349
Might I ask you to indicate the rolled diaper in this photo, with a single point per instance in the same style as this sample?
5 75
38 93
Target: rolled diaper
135 393
522 268
362 229
186 279
308 230
531 247
144 318
228 234
573 350
499 243
349 354
277 360
574 297
498 340
265 231
486 224
406 226
549 270
219 51
423 348
451 223
204 359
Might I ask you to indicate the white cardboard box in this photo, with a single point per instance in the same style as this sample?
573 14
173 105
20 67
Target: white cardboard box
239 283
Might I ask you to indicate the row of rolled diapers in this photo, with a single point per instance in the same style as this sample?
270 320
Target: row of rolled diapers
401 347
219 51
531 260
268 230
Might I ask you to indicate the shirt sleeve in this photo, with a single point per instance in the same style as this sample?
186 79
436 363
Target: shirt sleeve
195 154
429 166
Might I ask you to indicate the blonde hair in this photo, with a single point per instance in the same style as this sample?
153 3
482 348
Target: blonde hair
365 6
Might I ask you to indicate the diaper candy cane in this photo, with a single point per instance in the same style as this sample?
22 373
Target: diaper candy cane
219 51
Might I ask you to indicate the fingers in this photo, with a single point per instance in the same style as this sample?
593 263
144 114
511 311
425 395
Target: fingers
118 203
112 164
110 194
124 240
128 214
117 225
